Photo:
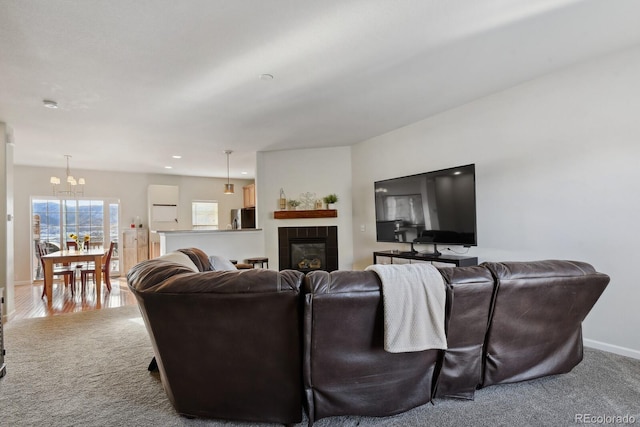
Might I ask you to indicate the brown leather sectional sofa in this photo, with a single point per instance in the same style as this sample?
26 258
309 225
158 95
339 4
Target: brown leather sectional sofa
257 345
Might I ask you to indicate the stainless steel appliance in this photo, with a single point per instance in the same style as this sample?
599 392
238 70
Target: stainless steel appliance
243 218
236 219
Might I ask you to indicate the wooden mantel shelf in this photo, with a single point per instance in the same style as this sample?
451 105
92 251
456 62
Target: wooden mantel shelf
316 213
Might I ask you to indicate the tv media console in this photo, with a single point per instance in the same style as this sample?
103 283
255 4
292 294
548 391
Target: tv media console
459 261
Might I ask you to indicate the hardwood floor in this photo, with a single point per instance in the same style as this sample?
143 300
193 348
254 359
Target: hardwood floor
29 302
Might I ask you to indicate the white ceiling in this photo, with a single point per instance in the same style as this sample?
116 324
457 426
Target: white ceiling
139 81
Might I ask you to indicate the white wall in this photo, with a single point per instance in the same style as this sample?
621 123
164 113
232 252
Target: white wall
320 171
557 176
129 188
7 215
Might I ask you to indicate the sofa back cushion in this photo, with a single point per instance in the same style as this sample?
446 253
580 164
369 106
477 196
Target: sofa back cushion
536 325
199 258
346 369
179 258
469 298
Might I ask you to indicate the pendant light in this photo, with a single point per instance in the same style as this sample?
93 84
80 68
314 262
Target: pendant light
228 187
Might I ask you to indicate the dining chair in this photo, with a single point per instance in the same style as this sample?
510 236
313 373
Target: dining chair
66 271
106 268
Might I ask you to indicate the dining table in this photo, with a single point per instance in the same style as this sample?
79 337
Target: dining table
72 256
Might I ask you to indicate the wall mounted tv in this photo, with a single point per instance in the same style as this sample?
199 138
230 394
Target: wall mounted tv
436 207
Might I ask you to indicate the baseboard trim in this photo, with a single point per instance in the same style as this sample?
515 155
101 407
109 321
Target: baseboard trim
623 351
25 282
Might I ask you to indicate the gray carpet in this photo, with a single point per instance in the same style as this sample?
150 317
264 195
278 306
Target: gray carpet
89 369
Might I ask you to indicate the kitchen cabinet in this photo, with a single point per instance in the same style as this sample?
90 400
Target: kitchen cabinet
135 247
249 195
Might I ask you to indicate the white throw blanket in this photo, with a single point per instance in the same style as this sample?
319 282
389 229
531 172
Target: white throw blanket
414 299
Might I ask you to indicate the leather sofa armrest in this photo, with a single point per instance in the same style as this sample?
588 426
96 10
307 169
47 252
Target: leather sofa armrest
227 343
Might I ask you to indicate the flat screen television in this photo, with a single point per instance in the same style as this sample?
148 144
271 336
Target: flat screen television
437 207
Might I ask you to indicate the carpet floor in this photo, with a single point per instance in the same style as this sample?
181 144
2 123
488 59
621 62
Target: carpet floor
90 369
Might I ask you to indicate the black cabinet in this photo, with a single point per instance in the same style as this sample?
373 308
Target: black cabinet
458 261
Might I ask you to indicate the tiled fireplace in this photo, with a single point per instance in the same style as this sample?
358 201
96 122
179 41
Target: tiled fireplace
308 248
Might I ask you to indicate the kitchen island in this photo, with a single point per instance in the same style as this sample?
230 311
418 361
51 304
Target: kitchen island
232 244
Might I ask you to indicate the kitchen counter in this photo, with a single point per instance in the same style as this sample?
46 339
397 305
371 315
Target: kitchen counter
237 244
244 230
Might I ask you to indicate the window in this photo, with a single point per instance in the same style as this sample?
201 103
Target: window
85 218
55 219
204 215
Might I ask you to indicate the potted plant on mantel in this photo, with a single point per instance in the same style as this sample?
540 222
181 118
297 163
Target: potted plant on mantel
329 200
293 204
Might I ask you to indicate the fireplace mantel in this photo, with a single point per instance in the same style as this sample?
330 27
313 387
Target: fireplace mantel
315 213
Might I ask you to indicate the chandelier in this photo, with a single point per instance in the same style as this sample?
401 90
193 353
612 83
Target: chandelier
73 188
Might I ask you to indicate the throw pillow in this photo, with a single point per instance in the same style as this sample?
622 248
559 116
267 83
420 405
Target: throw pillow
219 263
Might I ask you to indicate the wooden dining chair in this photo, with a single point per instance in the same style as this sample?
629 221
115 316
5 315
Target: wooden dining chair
106 268
66 271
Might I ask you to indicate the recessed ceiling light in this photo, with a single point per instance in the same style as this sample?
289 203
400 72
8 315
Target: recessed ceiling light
50 104
266 76
168 167
177 157
244 172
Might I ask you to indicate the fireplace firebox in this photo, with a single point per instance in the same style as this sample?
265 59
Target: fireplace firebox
308 255
308 248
